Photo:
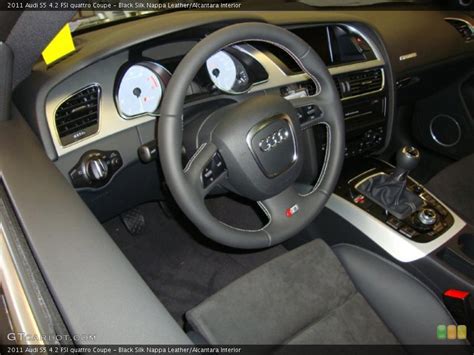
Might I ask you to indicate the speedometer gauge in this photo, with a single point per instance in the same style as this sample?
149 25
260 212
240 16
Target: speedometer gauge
227 73
140 89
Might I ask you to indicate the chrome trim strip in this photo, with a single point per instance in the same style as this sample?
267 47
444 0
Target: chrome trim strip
276 76
342 69
436 139
394 243
471 26
17 302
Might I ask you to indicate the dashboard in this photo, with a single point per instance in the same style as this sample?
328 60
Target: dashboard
129 89
103 101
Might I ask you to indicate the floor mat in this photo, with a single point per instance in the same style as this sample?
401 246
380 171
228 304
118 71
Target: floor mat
180 265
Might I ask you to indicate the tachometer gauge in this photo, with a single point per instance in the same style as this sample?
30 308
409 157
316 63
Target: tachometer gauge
227 73
140 89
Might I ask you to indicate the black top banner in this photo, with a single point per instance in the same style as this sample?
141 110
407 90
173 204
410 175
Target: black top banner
273 5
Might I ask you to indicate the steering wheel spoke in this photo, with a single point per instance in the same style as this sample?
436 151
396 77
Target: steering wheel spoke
284 212
205 169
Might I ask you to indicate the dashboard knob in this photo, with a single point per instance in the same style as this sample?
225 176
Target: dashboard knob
427 216
97 169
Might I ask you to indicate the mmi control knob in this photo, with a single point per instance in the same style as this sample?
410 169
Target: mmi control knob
427 216
97 169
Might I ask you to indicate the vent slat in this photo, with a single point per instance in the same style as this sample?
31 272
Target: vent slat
73 115
78 113
358 83
90 117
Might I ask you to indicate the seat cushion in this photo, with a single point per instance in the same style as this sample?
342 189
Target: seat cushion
304 296
354 322
454 187
409 309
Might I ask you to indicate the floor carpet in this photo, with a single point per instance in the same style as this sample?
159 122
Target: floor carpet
180 265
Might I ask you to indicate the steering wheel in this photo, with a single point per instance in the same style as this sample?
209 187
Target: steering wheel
254 147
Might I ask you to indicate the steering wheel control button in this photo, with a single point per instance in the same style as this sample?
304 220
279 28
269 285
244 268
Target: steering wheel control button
427 216
290 212
95 169
213 170
273 145
308 113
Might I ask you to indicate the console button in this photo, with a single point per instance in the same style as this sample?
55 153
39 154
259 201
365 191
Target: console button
395 223
409 232
441 210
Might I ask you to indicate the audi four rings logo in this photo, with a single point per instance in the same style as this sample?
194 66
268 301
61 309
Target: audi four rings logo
271 141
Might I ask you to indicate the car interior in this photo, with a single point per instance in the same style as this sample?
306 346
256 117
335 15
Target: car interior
239 177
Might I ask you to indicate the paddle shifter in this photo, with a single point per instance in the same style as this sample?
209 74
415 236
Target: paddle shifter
390 191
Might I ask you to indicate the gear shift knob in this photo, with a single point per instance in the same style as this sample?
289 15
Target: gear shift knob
407 159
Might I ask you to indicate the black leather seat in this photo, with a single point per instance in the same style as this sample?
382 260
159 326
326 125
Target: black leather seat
454 186
318 295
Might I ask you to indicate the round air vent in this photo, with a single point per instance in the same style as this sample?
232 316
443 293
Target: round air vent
465 3
445 130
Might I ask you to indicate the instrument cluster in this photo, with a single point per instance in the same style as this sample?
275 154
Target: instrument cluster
139 87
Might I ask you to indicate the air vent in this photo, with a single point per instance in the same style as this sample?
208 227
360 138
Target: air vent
359 83
78 116
463 27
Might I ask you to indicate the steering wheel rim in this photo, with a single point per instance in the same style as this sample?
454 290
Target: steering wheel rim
185 185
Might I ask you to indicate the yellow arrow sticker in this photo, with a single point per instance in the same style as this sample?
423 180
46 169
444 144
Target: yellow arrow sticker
61 45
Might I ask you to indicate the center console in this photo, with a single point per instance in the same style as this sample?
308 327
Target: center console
406 235
430 240
428 222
